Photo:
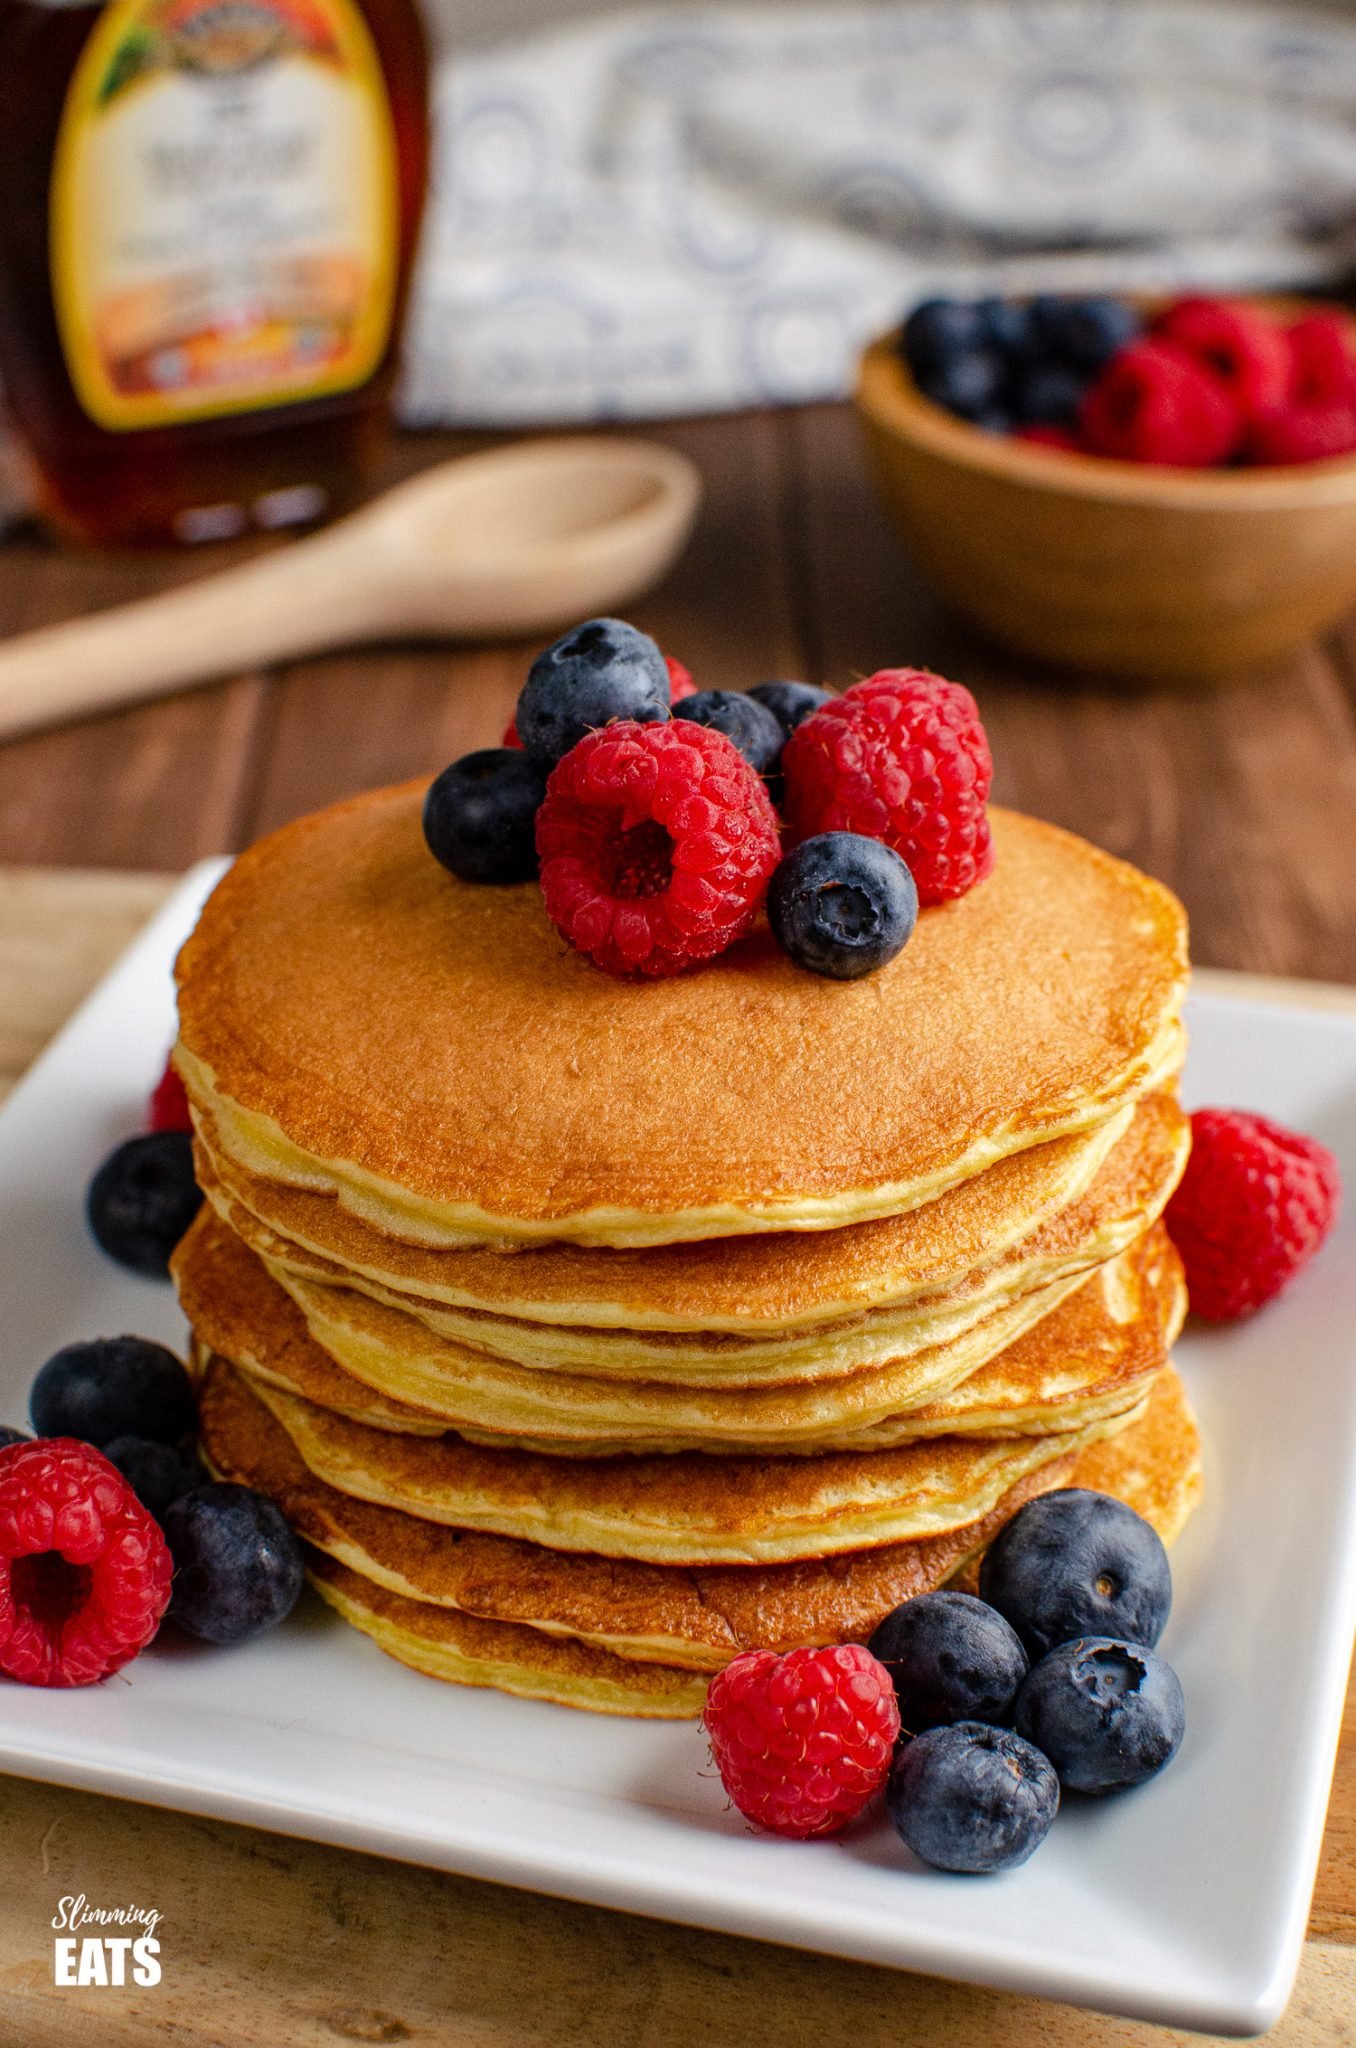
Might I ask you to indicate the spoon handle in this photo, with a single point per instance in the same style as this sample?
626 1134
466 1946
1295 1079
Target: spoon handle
307 595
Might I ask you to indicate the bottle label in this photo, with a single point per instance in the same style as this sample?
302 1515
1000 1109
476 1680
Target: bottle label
224 225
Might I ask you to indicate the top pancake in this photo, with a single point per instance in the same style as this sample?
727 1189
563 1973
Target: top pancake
357 1021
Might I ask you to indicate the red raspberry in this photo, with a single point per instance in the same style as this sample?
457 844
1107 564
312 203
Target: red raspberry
803 1741
1045 434
901 757
1254 1205
1303 433
1155 403
1322 360
680 685
657 843
84 1571
169 1103
1246 349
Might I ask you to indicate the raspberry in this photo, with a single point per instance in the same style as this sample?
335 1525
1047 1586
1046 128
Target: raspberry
803 1741
680 685
84 1571
168 1109
1247 350
1254 1205
1156 403
1322 360
1045 434
657 843
902 757
1303 433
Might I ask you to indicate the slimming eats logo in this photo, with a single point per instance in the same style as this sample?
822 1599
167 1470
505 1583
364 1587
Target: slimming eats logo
118 1958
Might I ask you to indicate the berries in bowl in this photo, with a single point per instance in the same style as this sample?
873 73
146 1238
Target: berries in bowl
1183 509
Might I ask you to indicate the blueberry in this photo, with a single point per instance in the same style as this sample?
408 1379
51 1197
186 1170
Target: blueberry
995 419
142 1200
599 671
237 1566
1083 332
108 1387
952 1659
480 815
1106 1713
937 330
1076 1563
12 1436
790 703
842 905
751 726
972 1798
158 1474
968 385
1005 324
1049 394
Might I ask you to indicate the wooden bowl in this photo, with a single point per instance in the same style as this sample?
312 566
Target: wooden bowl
1161 574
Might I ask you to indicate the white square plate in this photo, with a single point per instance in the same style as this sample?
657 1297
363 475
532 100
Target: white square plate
1183 1903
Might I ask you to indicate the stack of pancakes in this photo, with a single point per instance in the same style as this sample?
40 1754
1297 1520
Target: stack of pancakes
591 1332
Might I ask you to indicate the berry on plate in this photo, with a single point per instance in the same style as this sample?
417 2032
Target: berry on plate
802 1742
901 757
1154 402
1322 360
1107 1713
939 329
1049 394
84 1571
592 676
1303 433
842 905
749 725
952 1658
657 843
1081 333
790 703
972 1798
480 816
238 1568
158 1474
168 1109
680 680
1254 1205
1243 346
107 1387
1076 1563
971 385
142 1200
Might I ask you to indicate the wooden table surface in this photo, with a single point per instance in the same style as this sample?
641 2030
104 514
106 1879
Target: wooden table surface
1244 800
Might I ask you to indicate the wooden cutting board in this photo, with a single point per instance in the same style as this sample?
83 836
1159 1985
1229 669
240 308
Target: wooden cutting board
273 1943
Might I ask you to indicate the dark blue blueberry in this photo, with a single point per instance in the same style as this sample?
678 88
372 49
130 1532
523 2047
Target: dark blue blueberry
1106 1713
1006 326
952 1658
937 330
12 1436
1049 394
968 385
1083 332
790 703
108 1387
480 815
142 1200
972 1798
158 1474
842 905
750 725
995 419
1076 1563
599 671
237 1566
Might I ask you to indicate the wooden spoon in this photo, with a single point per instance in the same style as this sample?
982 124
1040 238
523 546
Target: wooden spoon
517 541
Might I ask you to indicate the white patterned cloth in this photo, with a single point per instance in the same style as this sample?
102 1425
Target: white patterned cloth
679 211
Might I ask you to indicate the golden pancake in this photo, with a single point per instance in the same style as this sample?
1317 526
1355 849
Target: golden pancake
699 1619
1038 1367
1142 1166
1158 1471
357 1022
687 1508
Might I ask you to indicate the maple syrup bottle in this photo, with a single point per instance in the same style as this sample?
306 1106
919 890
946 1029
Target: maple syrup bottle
210 210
